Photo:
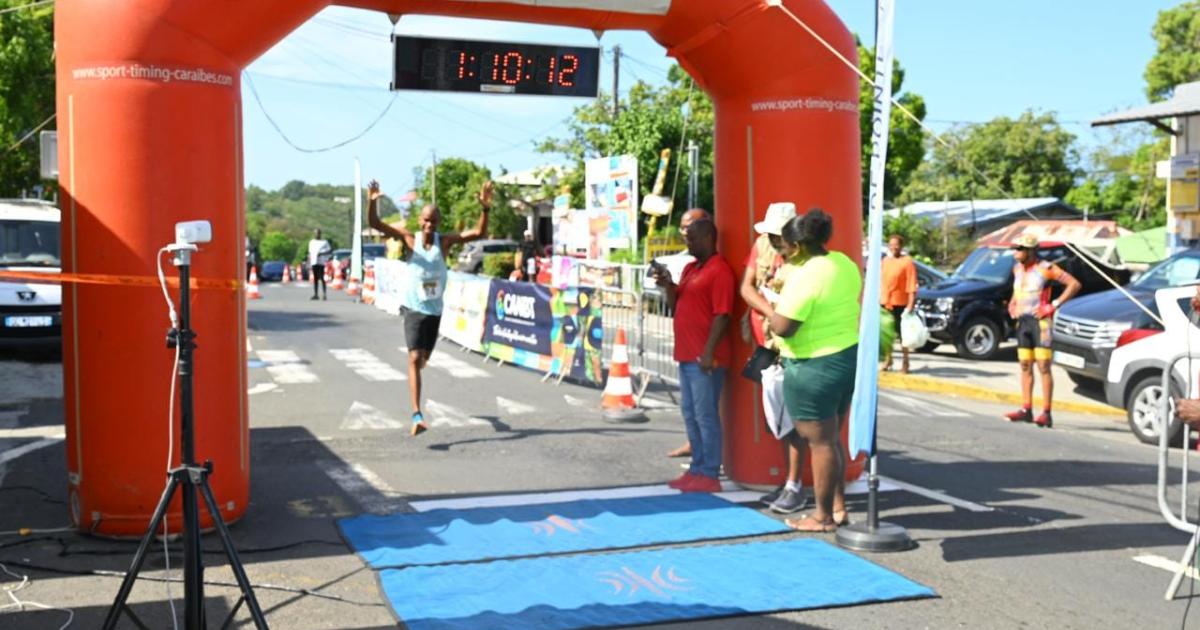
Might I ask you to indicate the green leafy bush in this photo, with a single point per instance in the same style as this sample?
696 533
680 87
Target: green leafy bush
499 265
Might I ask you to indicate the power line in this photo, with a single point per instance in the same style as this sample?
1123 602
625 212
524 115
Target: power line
30 134
957 151
250 82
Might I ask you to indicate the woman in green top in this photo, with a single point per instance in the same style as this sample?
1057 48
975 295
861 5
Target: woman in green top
816 320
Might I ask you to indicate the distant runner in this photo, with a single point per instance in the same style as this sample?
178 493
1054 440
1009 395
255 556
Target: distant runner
426 282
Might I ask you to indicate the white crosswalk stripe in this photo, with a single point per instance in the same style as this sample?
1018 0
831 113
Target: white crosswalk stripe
285 367
367 365
364 416
457 367
513 408
442 415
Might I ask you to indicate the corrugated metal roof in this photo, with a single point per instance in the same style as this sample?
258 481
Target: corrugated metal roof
964 212
1185 102
1056 230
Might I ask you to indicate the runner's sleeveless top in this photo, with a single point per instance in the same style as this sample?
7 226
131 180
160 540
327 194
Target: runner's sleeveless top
426 276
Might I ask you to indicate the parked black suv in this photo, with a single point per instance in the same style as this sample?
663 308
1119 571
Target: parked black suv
1086 330
970 308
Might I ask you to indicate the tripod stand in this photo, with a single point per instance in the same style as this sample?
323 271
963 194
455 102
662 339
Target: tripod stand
189 478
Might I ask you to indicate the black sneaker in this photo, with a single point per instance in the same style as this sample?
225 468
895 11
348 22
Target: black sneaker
789 501
769 498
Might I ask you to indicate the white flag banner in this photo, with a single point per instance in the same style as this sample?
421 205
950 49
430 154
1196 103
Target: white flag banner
866 382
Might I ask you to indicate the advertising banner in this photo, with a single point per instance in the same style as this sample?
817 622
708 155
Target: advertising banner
390 284
466 300
611 203
864 405
544 329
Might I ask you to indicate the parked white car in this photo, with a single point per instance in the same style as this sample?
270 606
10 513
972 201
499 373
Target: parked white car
1135 369
30 311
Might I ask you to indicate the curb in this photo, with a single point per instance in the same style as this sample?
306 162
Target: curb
893 380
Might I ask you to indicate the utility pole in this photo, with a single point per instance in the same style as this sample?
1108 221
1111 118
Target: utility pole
434 178
693 172
616 80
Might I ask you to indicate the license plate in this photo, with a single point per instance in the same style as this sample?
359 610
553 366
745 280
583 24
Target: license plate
28 321
1067 359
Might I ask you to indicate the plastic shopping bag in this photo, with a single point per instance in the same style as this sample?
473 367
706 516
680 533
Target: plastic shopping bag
778 420
913 333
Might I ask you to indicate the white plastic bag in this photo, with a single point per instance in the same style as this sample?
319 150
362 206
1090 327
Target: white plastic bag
778 420
913 333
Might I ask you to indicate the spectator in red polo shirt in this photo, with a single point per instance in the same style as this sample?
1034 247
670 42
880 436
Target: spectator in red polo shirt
703 304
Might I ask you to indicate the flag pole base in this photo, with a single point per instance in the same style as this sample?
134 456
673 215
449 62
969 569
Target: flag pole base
882 538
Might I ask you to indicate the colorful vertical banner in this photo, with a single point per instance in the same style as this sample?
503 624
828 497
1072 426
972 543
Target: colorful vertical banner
866 385
611 203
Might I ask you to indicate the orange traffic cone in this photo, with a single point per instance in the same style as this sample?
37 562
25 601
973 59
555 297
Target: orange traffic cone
252 286
338 279
368 290
297 276
353 287
617 400
287 275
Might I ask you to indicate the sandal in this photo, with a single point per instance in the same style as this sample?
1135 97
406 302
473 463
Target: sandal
807 523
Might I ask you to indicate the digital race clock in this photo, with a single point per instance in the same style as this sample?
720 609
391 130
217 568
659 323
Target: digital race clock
461 65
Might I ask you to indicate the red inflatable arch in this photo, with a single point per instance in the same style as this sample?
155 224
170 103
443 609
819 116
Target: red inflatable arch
150 128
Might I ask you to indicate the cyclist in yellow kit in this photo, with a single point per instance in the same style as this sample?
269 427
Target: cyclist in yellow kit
1033 309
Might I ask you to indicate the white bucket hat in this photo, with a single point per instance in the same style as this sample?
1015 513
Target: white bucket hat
778 214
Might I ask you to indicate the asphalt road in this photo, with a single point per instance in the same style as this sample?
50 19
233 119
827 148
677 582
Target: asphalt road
1016 526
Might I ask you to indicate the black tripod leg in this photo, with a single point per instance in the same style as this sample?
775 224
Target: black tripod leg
235 564
135 567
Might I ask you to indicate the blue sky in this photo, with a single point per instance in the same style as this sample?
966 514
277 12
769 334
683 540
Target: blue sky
972 61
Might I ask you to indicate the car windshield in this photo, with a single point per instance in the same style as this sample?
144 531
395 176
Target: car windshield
29 243
986 263
1172 272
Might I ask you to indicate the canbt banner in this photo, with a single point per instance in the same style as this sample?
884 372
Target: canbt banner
545 329
526 324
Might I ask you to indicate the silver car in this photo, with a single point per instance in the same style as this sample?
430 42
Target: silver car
471 258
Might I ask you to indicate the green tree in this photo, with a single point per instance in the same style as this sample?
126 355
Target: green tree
278 246
906 139
1176 60
26 91
1030 156
1121 182
458 185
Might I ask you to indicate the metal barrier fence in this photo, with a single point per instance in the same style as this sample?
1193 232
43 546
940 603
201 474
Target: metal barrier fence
640 311
1178 520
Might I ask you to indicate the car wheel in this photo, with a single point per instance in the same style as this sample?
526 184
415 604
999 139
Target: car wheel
929 346
1142 409
979 339
1086 382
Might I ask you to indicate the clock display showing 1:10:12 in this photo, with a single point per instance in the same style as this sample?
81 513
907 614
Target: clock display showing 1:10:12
423 63
507 67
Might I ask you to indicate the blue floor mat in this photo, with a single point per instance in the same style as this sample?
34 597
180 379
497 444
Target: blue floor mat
448 535
640 587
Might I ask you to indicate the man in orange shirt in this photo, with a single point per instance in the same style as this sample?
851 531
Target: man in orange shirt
898 292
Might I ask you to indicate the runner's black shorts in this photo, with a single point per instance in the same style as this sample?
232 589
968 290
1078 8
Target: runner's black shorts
1033 338
421 330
